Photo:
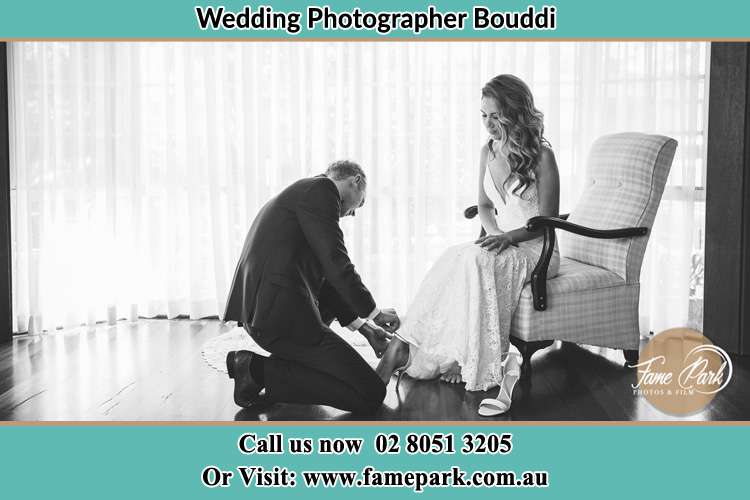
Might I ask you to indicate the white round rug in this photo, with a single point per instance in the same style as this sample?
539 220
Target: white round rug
214 351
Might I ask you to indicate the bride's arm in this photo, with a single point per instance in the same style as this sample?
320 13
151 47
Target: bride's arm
485 207
548 190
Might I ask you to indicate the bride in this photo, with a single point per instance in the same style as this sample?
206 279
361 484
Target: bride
458 324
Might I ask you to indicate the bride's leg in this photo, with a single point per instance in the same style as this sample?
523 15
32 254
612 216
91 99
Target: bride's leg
396 355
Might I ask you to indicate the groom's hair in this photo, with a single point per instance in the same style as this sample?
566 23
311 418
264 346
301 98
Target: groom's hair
343 169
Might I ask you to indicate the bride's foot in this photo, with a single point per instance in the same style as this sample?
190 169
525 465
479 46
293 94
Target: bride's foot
453 374
396 356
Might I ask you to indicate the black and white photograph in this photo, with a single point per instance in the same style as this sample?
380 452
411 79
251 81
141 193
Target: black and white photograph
372 230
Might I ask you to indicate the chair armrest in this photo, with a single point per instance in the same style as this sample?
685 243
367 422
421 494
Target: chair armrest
548 224
473 210
558 222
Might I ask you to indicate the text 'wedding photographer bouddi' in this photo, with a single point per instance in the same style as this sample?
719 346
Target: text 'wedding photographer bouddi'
316 19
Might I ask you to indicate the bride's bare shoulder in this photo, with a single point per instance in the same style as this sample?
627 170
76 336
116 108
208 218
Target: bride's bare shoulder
546 153
547 160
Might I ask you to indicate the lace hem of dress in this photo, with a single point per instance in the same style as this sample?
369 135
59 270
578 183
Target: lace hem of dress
439 357
462 313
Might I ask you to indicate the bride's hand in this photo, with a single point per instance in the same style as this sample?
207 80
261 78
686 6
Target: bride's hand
498 242
377 338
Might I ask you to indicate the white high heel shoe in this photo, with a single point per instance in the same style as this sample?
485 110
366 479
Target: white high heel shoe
491 407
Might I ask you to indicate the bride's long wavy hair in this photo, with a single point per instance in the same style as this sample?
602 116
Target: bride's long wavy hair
521 127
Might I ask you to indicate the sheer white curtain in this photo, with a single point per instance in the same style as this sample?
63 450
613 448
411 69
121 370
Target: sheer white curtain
137 167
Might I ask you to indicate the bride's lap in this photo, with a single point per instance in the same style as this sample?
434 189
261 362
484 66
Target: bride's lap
526 255
472 250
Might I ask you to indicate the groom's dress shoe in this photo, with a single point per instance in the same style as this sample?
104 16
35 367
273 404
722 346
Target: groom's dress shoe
246 389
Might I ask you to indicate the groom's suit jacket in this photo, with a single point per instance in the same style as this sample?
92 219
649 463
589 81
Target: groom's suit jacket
293 263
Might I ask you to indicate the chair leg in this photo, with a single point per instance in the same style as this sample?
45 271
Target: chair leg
631 357
527 349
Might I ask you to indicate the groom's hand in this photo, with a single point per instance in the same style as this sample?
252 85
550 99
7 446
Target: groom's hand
388 319
377 337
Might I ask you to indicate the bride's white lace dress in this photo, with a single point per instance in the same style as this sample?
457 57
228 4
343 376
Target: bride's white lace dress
463 309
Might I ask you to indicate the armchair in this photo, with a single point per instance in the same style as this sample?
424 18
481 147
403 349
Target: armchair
594 297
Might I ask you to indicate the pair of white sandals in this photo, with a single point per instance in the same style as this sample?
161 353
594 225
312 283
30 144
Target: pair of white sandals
491 407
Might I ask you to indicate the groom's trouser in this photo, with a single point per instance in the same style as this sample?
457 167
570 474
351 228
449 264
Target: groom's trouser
329 372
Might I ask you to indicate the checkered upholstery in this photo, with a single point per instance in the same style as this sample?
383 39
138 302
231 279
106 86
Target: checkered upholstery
594 297
585 304
624 182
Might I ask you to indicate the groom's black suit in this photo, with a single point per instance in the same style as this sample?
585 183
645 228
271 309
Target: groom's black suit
293 278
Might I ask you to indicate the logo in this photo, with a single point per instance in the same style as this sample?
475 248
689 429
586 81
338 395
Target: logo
680 371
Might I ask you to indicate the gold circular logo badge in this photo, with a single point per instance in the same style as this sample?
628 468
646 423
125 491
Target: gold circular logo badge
680 371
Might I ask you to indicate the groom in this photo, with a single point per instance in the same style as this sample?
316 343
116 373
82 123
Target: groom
293 278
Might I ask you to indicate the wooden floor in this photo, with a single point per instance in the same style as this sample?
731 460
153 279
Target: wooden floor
152 370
